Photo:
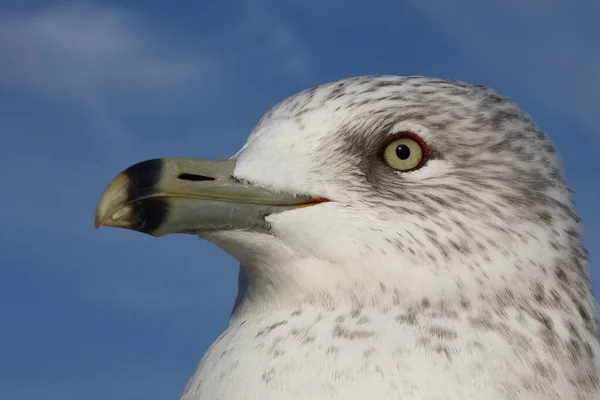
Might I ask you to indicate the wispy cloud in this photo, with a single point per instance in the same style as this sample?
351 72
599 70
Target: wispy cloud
548 47
108 60
82 51
98 59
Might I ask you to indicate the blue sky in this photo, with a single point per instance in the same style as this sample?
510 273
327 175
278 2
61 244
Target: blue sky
88 88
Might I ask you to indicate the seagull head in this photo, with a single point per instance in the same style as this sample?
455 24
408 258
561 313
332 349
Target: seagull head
380 189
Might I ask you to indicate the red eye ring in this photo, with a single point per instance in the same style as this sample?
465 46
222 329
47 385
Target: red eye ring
416 138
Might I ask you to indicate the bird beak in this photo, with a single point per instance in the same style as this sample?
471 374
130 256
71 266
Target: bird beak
177 195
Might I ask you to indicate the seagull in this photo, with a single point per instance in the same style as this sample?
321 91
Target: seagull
399 237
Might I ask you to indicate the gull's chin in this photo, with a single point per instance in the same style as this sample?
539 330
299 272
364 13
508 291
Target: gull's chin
243 238
250 248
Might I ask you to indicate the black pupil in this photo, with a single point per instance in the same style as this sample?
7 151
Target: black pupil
403 152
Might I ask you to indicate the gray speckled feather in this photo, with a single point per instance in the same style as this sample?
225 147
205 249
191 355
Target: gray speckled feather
465 279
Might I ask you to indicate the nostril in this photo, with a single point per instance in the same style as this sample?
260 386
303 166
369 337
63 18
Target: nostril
194 177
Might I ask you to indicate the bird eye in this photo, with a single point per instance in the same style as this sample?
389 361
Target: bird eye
405 152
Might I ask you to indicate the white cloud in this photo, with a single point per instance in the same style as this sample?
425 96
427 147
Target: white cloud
549 47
